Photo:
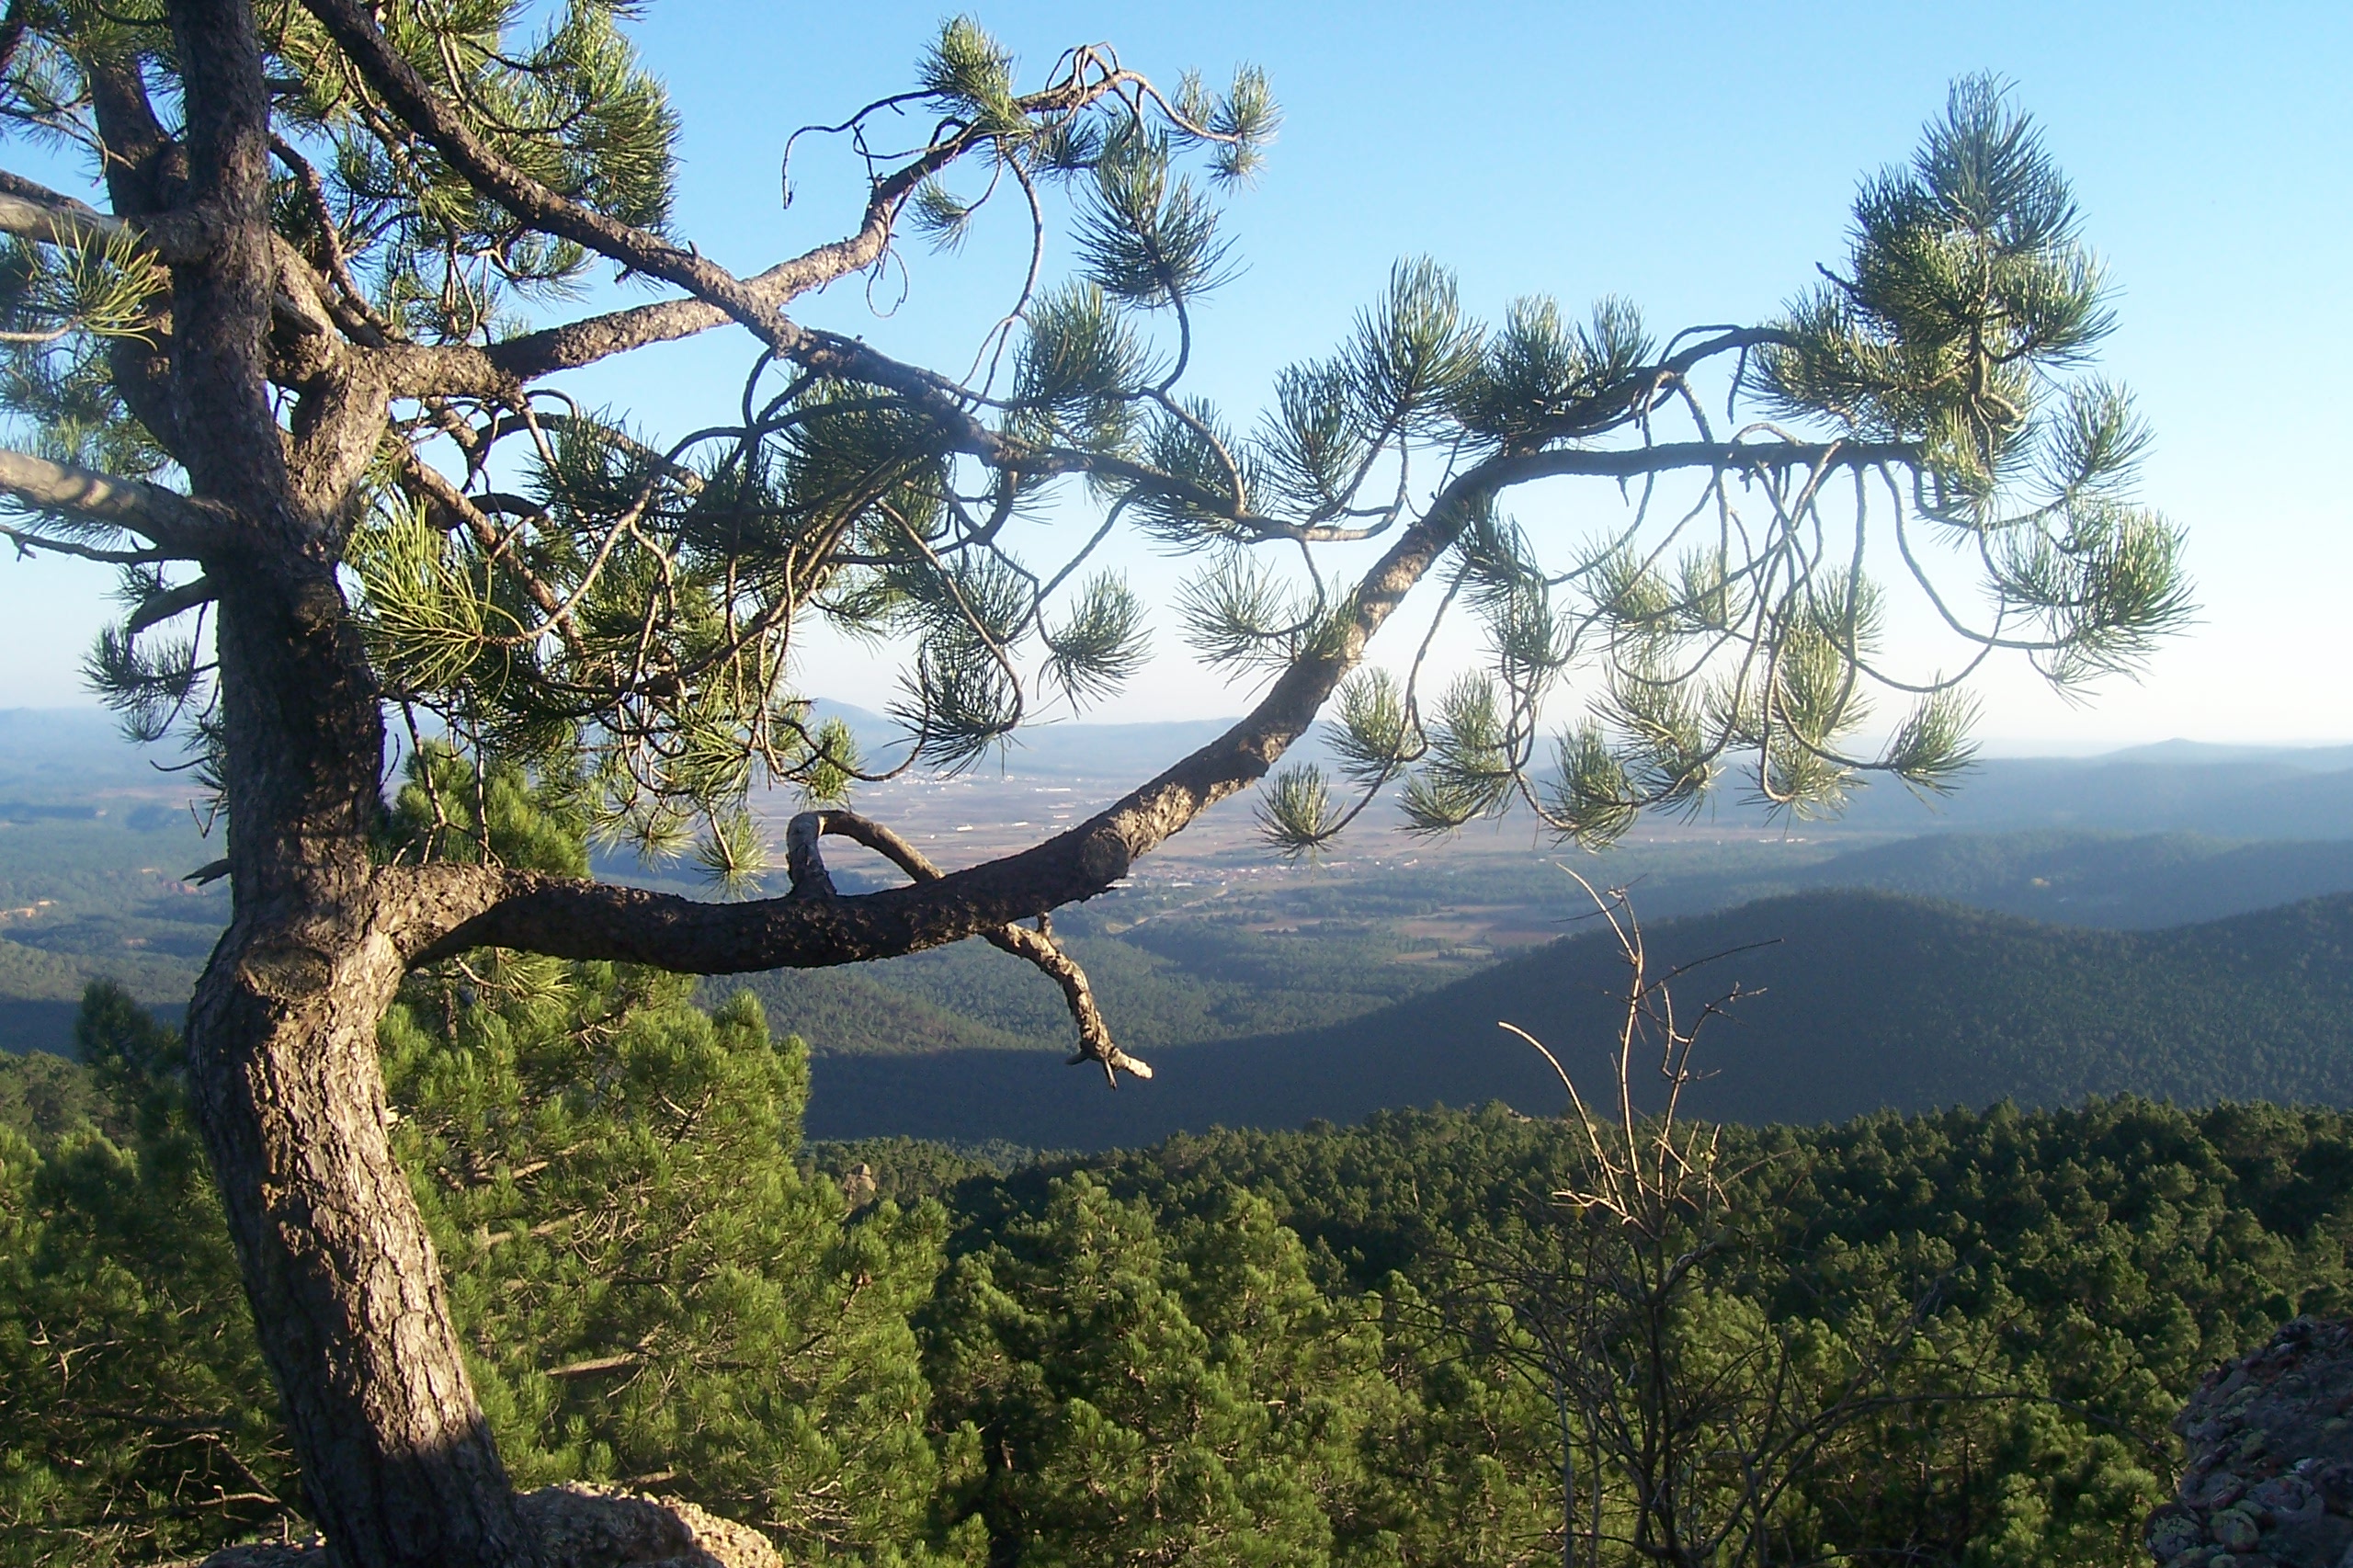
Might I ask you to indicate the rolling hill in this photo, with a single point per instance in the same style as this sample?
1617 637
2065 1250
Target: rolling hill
2069 877
1869 1000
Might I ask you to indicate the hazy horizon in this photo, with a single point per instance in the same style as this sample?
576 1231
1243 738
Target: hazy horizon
1990 746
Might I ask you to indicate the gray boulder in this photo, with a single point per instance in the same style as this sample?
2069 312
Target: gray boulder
2268 1482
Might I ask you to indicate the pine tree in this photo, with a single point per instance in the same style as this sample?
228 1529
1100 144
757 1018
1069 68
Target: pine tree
136 1417
648 1288
305 349
1147 1396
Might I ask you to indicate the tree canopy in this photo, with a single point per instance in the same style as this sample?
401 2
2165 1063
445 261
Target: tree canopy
1210 1350
543 581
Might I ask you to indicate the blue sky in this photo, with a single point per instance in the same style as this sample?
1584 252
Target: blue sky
1698 159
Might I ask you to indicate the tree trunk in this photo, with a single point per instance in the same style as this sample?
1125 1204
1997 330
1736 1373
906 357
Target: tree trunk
397 1462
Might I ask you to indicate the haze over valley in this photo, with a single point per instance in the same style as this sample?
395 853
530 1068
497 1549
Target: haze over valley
2201 896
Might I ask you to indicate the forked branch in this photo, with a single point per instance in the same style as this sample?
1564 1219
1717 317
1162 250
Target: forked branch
806 867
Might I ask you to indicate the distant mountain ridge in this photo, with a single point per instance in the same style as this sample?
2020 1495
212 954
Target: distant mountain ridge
2290 794
2227 791
1869 1000
2069 877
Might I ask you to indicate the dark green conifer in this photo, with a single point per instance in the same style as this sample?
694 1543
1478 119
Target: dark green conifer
1147 1395
650 1290
136 1418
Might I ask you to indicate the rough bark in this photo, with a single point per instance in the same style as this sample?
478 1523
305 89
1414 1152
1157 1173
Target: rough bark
396 1460
397 1463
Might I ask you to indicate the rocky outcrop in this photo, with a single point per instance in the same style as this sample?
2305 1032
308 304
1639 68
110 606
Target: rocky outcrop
586 1526
2269 1477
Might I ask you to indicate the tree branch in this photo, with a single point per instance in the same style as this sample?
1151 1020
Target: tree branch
30 543
172 601
573 345
1673 457
146 173
455 908
33 211
754 306
174 522
413 101
447 909
806 867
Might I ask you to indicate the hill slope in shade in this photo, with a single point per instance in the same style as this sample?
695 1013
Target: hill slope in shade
2067 878
2270 794
1870 1001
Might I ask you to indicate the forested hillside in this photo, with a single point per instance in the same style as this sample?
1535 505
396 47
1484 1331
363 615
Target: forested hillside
2068 878
1864 1001
95 845
1233 1349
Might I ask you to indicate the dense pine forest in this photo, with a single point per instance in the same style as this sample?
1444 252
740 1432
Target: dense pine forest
1854 1001
1328 1345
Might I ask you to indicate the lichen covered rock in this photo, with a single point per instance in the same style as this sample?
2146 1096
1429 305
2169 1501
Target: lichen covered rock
2268 1482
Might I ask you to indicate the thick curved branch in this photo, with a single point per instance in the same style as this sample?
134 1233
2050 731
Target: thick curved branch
145 168
806 866
530 355
569 347
460 907
172 521
452 908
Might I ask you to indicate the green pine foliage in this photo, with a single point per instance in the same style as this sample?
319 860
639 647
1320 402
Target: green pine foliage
1143 1395
136 1418
535 577
44 1099
651 1291
2081 1268
1240 1349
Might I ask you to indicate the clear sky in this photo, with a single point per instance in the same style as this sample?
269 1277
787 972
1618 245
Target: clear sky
1698 159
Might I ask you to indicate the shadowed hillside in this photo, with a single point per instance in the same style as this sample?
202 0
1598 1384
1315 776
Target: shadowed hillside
2068 878
1870 1001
